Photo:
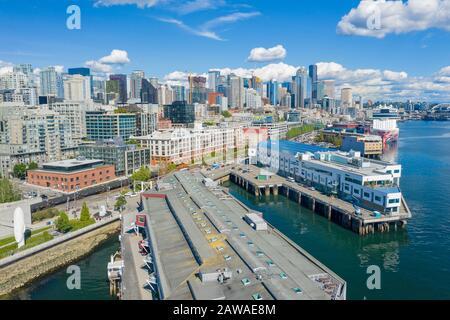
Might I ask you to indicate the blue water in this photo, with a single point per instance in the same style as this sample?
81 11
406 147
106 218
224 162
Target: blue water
415 262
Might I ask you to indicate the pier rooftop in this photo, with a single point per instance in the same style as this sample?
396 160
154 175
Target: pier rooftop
202 247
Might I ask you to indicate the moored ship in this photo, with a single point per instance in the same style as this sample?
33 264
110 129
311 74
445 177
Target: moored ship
384 124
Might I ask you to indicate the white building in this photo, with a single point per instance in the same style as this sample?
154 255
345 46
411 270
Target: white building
252 99
13 80
77 88
192 145
372 184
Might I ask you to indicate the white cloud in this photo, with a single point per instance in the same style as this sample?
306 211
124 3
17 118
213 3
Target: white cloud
445 71
199 5
109 63
267 54
115 57
5 67
274 71
180 77
139 3
59 68
382 17
98 67
179 6
198 32
206 29
394 76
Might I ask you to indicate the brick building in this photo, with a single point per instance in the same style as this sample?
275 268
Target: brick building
72 175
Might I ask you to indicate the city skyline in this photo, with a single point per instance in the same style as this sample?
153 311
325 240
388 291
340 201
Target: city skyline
234 37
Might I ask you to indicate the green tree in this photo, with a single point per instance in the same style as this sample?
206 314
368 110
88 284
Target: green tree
143 174
85 215
171 167
120 110
20 170
62 224
133 141
32 166
7 191
120 203
226 114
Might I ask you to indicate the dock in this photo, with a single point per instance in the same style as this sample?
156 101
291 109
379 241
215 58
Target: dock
332 208
135 272
202 247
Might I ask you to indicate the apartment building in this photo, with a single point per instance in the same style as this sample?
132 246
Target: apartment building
192 145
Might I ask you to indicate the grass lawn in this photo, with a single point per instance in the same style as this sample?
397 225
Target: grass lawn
11 239
31 242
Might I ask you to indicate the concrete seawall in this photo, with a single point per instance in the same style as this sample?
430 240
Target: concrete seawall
19 270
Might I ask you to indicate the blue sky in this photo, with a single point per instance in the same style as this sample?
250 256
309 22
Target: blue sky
163 36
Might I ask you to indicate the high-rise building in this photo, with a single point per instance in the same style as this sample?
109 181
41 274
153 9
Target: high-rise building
180 112
178 93
329 90
122 82
48 79
26 69
101 125
236 96
300 86
149 93
13 80
346 97
111 91
37 135
313 76
77 88
136 84
197 89
272 92
320 90
85 72
252 99
213 79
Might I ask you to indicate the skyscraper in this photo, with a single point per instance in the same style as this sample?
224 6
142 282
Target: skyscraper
179 93
213 80
272 92
48 79
300 87
122 81
346 97
313 77
236 97
149 94
329 88
86 72
197 90
77 88
136 84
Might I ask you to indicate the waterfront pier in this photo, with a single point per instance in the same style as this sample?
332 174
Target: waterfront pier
204 244
332 208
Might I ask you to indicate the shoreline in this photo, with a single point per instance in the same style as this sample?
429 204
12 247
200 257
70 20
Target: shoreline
33 268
